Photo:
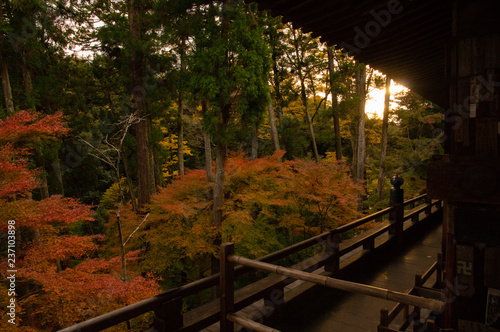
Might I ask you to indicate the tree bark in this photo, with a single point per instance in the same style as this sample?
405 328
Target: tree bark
277 86
336 117
28 83
220 160
385 127
220 139
208 147
44 187
7 90
361 141
180 124
139 95
129 180
56 167
152 168
255 142
180 138
272 123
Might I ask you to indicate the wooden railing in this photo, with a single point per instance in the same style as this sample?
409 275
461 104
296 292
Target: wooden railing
168 306
228 315
434 292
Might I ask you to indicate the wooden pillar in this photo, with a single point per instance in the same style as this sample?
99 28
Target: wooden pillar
396 201
332 249
226 287
168 317
468 177
384 319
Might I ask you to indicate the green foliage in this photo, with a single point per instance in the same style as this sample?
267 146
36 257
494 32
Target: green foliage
229 68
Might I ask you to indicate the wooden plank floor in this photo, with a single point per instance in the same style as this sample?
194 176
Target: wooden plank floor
332 310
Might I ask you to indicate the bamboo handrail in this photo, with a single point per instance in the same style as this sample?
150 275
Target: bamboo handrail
253 325
342 284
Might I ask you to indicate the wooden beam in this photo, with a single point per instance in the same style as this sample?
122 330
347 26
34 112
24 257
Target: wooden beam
246 322
348 286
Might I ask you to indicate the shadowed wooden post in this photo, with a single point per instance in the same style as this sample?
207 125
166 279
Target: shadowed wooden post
226 287
418 280
428 209
168 317
431 326
384 317
439 270
332 248
397 201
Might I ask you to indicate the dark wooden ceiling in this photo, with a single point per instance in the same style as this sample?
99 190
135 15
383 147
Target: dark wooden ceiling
405 39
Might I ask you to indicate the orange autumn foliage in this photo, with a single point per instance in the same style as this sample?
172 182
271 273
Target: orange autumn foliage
58 281
268 205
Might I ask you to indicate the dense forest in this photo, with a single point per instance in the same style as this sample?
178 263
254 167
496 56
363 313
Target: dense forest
138 135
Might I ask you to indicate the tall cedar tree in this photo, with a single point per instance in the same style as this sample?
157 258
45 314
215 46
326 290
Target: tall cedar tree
385 127
230 68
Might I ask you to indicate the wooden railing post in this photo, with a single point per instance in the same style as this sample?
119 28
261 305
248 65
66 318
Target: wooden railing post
226 287
168 317
384 320
439 270
384 317
418 280
332 248
397 215
428 209
417 324
431 326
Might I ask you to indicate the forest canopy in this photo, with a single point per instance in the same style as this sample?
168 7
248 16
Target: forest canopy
136 136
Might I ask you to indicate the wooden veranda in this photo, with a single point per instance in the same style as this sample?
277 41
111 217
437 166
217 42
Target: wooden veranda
329 256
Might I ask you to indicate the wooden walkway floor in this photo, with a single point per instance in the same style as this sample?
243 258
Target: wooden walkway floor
330 310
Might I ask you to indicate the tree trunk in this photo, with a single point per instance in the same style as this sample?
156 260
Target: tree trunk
385 127
272 123
44 187
220 159
311 130
152 169
304 97
155 171
180 138
221 147
139 95
28 83
336 119
122 247
129 180
180 124
7 90
56 167
141 135
354 147
361 145
277 86
208 147
255 142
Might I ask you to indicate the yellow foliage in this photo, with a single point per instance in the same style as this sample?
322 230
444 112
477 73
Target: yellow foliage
170 143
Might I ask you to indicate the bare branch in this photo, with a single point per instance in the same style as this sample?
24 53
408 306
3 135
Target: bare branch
145 218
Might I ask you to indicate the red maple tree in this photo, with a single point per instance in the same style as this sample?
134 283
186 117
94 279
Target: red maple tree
59 281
